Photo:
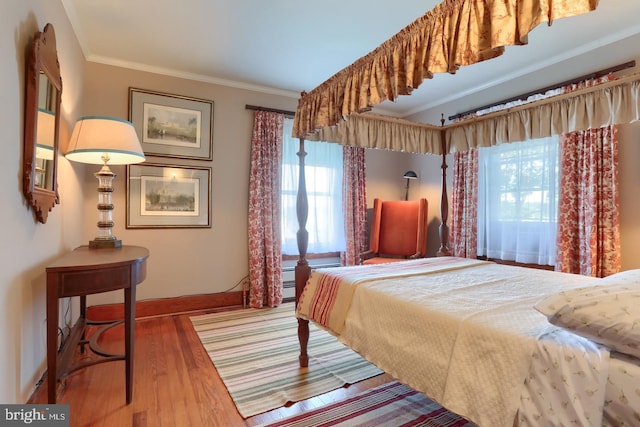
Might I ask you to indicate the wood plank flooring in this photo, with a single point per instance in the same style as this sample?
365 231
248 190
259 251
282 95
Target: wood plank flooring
175 384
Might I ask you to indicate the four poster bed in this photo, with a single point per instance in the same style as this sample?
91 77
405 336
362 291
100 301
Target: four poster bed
499 345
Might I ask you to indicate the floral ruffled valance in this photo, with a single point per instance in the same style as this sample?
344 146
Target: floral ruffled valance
590 107
455 33
614 102
383 132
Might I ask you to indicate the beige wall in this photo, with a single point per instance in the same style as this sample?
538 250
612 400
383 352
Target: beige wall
629 176
182 262
26 245
201 261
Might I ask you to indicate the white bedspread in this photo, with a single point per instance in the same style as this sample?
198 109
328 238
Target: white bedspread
465 339
327 296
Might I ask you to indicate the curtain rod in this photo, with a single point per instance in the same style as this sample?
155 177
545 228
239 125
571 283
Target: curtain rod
524 96
271 110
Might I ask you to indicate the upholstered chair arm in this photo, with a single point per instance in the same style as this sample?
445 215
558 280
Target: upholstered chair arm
366 255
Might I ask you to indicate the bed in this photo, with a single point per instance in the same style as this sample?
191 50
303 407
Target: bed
497 361
467 334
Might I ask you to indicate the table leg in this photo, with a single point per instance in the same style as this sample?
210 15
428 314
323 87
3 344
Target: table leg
52 342
83 315
129 328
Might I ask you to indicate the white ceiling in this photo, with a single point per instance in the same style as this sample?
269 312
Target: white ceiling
287 46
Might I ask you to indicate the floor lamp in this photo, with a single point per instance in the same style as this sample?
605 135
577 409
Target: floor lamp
409 175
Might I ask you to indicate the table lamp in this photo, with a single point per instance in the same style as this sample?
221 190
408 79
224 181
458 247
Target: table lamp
104 140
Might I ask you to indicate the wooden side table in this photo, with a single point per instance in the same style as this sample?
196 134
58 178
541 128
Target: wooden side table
83 272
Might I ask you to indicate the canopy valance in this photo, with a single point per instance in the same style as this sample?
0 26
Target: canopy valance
613 102
453 34
383 132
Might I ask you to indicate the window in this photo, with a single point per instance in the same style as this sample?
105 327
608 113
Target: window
323 174
518 201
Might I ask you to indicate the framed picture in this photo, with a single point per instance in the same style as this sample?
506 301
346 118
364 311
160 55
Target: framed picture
172 125
168 196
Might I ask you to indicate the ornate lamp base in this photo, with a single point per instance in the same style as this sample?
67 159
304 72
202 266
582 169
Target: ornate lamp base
103 244
105 237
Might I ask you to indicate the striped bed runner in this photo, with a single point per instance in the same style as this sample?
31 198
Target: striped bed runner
391 405
256 354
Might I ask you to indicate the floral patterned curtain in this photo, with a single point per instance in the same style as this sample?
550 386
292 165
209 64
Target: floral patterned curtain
464 200
354 203
265 255
588 221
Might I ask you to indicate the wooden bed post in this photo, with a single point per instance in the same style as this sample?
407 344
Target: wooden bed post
444 200
302 270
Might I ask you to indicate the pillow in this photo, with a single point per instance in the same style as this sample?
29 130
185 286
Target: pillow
607 312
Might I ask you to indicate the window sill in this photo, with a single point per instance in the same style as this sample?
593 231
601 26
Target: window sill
518 264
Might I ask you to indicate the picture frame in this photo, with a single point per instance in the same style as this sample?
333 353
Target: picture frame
168 196
172 125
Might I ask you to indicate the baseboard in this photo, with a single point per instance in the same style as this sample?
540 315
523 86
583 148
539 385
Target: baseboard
167 306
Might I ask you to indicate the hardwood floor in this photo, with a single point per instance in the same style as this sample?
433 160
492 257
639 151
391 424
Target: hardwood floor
175 384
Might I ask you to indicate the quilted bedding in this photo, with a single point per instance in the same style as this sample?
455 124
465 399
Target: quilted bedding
464 333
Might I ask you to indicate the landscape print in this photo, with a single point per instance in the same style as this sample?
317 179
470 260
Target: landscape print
169 196
164 124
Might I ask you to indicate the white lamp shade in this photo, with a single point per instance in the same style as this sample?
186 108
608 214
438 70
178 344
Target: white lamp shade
95 136
45 129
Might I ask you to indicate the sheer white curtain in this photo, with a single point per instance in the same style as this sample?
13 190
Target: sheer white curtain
518 201
323 173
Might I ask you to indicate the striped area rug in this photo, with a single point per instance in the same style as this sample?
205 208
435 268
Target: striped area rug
256 354
390 405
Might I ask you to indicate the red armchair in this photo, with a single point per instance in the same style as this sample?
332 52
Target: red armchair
398 231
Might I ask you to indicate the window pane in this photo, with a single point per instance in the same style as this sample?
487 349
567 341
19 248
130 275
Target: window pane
323 176
517 206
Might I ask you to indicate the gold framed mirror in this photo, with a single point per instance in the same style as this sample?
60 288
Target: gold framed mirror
42 124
